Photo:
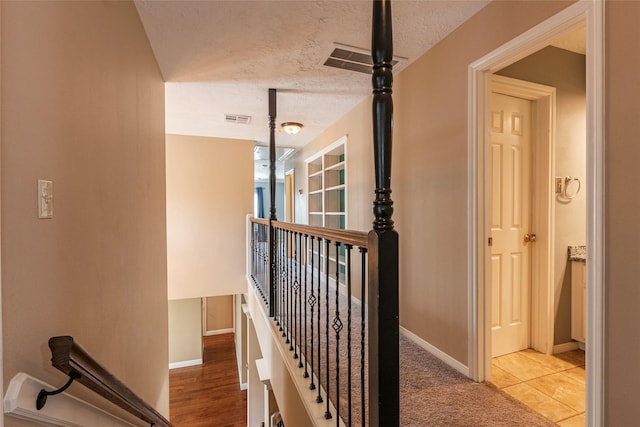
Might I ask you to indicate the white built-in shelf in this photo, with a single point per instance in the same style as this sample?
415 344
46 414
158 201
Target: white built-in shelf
338 166
335 187
327 187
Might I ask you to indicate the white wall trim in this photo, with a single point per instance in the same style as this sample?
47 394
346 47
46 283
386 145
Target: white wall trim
591 14
60 410
219 332
564 347
595 65
185 363
1 330
450 361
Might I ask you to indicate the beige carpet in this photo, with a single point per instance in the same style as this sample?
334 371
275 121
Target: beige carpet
431 392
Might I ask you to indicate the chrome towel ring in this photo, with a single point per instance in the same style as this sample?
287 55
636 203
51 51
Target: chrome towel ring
570 194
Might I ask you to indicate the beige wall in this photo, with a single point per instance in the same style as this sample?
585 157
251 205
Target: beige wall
565 71
622 218
429 174
219 313
185 330
209 194
83 105
357 126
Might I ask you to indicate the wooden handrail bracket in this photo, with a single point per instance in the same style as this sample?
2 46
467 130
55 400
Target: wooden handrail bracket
70 358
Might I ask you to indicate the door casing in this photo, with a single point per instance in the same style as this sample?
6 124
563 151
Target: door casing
289 196
588 13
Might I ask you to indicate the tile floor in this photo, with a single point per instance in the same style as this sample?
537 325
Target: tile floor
554 386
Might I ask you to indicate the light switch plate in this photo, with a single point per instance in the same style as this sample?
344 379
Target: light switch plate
45 199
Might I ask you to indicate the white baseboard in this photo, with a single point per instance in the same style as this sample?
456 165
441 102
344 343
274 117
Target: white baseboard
185 363
435 351
219 332
564 347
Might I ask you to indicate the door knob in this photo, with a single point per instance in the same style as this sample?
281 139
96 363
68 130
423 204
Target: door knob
529 238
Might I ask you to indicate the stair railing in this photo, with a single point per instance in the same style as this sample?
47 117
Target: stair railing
73 360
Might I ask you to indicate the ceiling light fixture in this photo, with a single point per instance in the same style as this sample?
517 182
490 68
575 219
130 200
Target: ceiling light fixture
291 127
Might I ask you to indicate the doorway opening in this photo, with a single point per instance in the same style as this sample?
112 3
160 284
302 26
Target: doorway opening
520 164
534 356
582 14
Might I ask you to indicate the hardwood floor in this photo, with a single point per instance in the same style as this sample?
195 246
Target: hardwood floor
209 395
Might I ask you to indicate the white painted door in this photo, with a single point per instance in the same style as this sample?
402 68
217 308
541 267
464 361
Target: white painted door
510 126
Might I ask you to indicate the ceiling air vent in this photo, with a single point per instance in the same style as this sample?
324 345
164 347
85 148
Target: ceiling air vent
237 119
351 58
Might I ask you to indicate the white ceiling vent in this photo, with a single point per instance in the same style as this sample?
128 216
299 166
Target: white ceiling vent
353 59
237 119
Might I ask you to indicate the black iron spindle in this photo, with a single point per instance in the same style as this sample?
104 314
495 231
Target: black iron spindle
284 283
327 412
312 303
280 278
348 280
337 328
299 300
289 290
306 273
319 397
363 277
294 292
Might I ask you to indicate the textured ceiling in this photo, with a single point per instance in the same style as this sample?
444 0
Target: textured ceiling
220 57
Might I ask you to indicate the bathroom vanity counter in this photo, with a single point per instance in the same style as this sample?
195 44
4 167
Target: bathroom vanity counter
577 253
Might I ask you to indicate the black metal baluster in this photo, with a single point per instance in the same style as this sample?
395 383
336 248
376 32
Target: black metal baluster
299 301
312 303
282 277
319 398
337 328
306 258
279 279
327 412
289 287
363 277
348 262
261 261
294 293
253 249
283 281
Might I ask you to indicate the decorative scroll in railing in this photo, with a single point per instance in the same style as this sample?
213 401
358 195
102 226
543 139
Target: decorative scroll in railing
319 282
70 358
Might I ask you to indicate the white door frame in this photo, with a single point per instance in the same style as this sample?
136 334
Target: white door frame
1 331
290 197
591 14
543 105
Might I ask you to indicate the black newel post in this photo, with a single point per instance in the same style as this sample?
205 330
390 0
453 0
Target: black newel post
384 352
272 208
